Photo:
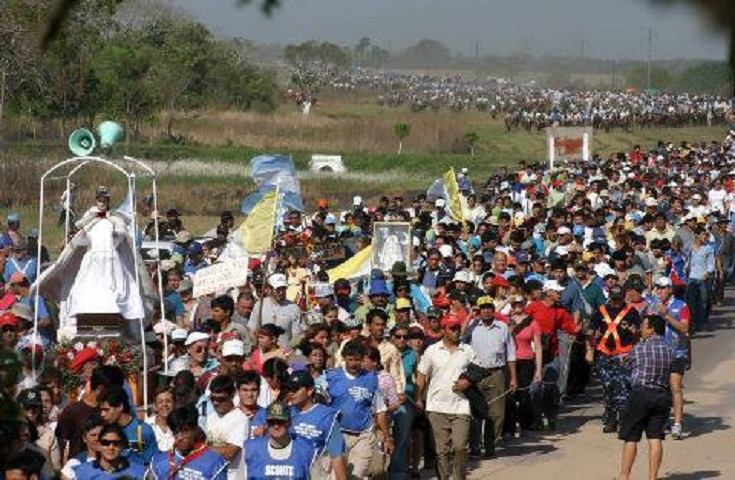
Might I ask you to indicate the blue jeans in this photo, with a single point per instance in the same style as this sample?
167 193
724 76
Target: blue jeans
697 299
402 422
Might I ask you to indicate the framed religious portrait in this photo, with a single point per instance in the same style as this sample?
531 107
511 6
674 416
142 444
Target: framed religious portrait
392 243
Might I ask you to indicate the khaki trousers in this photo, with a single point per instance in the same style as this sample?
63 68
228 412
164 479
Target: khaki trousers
491 387
451 434
359 451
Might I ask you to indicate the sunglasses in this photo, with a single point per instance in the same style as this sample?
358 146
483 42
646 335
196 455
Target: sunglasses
200 349
276 423
106 442
8 328
400 337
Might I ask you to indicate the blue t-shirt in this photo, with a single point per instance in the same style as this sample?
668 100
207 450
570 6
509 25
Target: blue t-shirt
208 466
262 466
142 441
27 267
353 397
320 425
410 363
258 420
93 471
176 302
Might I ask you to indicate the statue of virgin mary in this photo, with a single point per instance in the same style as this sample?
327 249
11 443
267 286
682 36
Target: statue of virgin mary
96 272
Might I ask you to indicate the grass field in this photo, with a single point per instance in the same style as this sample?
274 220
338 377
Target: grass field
209 173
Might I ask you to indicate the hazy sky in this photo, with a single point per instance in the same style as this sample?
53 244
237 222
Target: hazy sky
608 28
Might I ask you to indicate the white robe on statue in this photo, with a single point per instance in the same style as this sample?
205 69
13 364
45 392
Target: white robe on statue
96 274
103 283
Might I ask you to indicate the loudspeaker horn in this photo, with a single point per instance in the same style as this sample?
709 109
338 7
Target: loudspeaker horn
81 142
109 132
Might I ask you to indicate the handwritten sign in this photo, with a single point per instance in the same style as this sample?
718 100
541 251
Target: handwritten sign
220 276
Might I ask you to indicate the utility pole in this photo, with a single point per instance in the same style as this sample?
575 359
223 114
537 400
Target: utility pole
650 58
613 74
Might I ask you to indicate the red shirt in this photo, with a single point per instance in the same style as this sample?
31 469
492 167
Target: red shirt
551 319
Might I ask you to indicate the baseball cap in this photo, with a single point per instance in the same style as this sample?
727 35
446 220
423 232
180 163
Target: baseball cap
403 304
462 276
179 335
563 230
298 379
278 280
194 249
664 282
433 312
616 292
485 302
195 337
450 321
233 348
8 319
29 398
446 251
440 202
13 218
86 355
278 411
553 285
357 200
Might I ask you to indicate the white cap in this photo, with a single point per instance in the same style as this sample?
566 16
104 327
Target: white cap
464 169
330 220
440 202
233 348
322 290
179 334
651 202
664 282
696 196
278 280
446 250
562 250
553 285
357 200
195 337
167 264
564 230
462 276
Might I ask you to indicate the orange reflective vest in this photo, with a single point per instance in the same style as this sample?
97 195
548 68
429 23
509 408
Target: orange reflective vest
612 331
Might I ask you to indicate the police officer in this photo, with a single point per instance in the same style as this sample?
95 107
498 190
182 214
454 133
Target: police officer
614 327
278 454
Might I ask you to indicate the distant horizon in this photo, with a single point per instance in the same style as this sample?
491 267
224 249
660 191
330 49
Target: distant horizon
592 29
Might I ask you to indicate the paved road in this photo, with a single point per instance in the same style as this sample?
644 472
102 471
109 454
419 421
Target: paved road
581 451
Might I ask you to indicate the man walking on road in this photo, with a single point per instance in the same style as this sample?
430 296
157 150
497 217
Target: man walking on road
650 400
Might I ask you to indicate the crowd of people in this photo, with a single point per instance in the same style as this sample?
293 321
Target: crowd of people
530 107
501 312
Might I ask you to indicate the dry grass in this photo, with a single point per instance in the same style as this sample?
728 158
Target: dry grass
327 130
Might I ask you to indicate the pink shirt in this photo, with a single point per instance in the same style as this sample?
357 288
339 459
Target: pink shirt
524 340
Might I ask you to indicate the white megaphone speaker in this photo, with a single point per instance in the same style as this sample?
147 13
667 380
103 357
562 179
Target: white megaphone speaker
109 132
81 142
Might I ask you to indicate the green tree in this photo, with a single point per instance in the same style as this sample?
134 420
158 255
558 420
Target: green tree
471 138
707 77
428 53
401 131
638 77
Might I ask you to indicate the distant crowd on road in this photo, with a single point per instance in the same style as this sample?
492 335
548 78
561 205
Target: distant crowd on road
532 108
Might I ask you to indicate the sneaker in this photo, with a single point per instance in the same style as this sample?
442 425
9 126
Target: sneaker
676 431
611 427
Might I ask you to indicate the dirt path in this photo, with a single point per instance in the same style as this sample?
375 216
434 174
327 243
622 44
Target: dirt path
581 451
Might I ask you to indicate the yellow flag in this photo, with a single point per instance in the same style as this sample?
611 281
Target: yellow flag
256 232
454 198
357 266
